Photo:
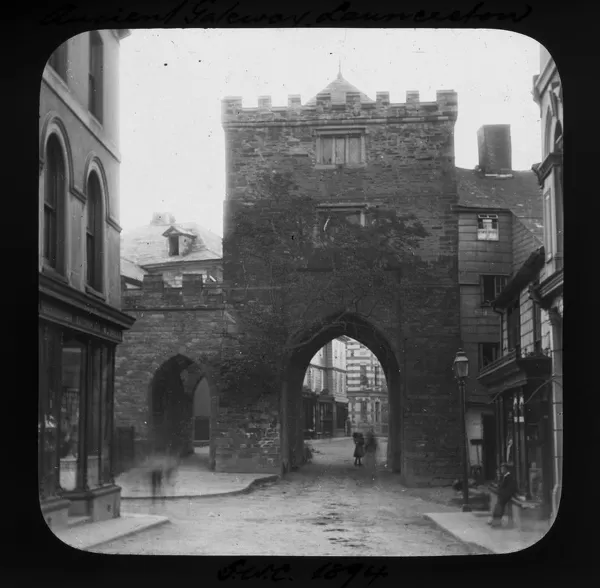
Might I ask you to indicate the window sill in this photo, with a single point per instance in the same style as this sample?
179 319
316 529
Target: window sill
95 119
340 166
95 293
54 274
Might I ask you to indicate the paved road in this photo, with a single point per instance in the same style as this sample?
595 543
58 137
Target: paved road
328 508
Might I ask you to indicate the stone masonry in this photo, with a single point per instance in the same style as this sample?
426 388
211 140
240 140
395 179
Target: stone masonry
407 165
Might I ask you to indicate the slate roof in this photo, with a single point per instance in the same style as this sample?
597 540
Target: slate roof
147 245
520 194
338 89
131 270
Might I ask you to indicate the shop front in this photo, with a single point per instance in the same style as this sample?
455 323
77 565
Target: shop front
520 392
77 341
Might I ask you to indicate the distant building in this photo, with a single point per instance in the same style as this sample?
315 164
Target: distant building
167 405
80 321
324 397
368 405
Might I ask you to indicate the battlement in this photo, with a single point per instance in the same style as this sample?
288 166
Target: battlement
155 293
445 107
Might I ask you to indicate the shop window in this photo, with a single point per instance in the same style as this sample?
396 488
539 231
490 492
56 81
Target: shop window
94 417
73 382
488 353
487 227
491 287
54 202
106 403
95 75
48 410
514 448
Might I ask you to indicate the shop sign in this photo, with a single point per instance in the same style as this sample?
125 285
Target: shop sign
81 323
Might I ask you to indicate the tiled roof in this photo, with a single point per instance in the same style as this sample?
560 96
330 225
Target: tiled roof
520 194
146 245
338 89
131 270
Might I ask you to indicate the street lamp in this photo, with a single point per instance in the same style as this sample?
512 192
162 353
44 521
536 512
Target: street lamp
461 372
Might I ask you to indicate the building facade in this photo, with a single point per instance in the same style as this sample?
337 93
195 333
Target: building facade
547 92
519 386
325 402
367 390
351 155
80 321
167 405
500 222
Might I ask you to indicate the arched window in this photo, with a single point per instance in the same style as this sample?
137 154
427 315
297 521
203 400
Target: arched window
95 75
93 233
558 137
54 200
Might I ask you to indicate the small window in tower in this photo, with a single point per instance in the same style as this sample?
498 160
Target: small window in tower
487 227
174 245
344 147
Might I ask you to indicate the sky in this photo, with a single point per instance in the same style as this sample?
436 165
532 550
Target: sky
172 82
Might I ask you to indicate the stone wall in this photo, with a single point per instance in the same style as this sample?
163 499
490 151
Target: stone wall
409 167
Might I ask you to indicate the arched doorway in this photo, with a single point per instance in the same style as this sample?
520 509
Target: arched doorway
306 345
174 389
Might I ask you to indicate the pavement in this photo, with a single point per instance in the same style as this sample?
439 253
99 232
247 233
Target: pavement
91 535
327 508
192 479
472 528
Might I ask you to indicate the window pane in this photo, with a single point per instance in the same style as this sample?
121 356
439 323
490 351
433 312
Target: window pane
93 419
354 150
107 415
49 416
488 288
327 150
340 150
73 356
90 249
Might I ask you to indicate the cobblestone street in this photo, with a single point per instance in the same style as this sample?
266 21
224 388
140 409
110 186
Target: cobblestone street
328 508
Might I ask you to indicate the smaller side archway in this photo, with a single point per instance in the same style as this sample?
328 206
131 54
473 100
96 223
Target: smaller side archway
179 390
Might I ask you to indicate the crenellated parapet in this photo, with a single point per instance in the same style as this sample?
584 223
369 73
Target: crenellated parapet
445 107
194 293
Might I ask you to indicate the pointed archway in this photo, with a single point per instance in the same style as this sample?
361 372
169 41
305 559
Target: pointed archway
172 402
305 345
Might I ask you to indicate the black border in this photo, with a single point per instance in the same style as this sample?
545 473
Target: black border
29 36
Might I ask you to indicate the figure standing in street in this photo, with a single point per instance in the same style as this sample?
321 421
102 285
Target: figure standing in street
359 448
371 447
506 490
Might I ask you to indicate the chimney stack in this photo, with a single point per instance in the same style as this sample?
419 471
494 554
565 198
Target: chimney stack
495 154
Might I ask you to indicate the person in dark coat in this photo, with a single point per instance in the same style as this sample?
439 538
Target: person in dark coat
506 489
359 448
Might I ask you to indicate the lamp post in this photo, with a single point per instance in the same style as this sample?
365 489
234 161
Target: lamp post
461 372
